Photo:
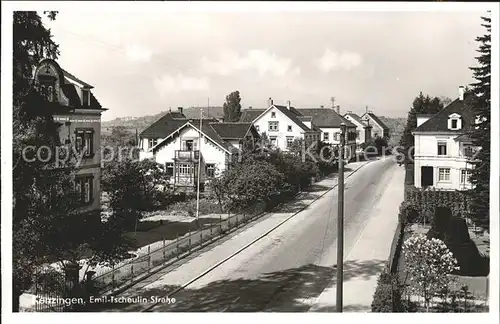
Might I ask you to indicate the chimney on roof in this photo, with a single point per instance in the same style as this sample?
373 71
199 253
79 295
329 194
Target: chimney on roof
288 105
338 109
321 106
249 107
179 109
269 102
461 92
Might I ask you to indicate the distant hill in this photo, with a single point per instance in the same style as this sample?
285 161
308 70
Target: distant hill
396 128
141 123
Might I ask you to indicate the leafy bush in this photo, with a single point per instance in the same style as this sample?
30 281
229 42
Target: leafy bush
428 263
188 207
387 296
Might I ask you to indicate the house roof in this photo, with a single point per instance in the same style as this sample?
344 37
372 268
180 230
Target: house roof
249 115
463 138
165 125
207 127
377 120
231 130
71 76
293 114
439 122
70 91
305 118
325 117
355 117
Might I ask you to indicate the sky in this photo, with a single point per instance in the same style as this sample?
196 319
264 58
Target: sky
143 63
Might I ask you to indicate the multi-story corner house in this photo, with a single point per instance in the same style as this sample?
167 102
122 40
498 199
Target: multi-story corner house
379 129
186 145
363 131
283 124
79 115
443 150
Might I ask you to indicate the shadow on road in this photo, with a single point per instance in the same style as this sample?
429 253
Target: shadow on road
290 290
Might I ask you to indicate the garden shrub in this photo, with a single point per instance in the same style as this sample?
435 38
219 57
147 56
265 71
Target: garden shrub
387 296
439 223
457 239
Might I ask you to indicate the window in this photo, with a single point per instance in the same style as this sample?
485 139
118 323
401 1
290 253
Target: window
50 93
274 140
465 176
169 167
273 126
444 174
85 142
454 122
289 128
257 128
152 142
85 98
441 148
336 136
85 188
326 136
189 145
210 170
273 114
289 141
468 150
185 169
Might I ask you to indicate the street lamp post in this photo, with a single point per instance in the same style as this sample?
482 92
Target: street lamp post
340 222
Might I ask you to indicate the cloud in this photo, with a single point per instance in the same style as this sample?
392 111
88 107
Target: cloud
138 53
179 83
338 61
264 62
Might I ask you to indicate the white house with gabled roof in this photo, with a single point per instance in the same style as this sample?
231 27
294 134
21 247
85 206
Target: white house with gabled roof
282 124
443 150
191 145
285 123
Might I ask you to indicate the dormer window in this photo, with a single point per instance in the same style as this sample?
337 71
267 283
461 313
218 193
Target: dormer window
85 98
273 114
50 93
454 122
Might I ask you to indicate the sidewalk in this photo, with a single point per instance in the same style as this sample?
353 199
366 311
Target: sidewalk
373 244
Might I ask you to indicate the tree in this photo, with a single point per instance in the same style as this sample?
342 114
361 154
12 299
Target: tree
232 107
421 105
428 263
249 182
32 125
119 145
47 221
134 187
481 132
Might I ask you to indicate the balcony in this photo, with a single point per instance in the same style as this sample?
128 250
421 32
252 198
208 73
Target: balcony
184 155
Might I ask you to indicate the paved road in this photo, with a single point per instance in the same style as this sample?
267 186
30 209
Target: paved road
283 271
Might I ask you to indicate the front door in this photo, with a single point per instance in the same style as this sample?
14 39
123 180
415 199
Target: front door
427 176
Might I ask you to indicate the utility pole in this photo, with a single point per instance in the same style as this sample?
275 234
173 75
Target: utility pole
340 222
199 168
